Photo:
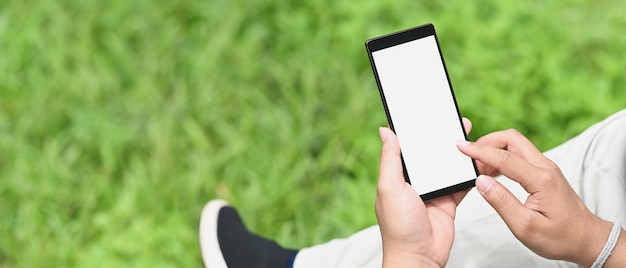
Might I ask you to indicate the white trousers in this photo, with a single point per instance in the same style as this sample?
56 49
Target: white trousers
594 162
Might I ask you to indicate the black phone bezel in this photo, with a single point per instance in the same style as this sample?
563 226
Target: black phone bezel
401 37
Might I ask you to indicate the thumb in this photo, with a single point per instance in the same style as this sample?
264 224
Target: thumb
390 160
510 209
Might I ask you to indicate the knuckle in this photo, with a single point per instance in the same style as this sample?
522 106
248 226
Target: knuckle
544 175
504 156
513 132
551 165
385 188
384 151
501 201
547 178
527 227
389 152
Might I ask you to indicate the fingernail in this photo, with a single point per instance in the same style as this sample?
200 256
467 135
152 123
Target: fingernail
383 133
462 143
484 183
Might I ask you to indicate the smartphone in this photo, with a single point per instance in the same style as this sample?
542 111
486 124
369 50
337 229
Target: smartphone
422 110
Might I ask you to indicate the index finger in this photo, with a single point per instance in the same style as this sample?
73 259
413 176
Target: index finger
506 162
513 141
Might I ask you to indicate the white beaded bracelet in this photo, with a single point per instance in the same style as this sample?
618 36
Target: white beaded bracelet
610 245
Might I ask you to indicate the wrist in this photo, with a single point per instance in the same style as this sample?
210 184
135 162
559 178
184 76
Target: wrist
589 245
601 237
617 258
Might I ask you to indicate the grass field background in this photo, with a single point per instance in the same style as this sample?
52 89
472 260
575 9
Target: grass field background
120 119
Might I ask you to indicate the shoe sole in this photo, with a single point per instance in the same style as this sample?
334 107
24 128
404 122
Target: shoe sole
209 245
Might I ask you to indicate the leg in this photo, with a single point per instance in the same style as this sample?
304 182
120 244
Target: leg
362 249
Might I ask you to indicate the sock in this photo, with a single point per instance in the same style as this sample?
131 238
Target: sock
241 248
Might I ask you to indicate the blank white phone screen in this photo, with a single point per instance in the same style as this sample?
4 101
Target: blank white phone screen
423 114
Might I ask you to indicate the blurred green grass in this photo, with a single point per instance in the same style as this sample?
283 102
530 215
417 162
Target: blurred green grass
120 119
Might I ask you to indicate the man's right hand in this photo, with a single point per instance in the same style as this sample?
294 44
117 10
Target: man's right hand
553 222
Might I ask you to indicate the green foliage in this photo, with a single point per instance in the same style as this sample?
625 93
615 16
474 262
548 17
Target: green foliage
120 119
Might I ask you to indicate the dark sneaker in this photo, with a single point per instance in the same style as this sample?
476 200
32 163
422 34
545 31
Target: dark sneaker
225 241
